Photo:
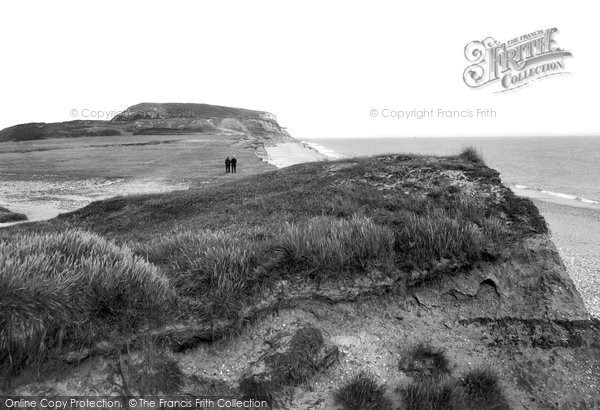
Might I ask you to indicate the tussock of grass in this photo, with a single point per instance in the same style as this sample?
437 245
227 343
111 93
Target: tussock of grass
325 246
363 392
483 390
472 154
154 372
433 394
66 289
217 268
479 389
433 386
436 236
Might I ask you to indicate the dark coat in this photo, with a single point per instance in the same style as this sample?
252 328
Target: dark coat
233 161
227 161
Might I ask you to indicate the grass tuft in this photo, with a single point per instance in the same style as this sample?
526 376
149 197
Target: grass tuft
67 289
483 390
433 394
363 392
154 372
327 246
472 154
426 240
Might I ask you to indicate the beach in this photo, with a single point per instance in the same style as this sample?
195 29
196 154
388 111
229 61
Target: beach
576 234
291 153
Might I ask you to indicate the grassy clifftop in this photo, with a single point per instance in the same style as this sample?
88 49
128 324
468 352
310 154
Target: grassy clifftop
411 235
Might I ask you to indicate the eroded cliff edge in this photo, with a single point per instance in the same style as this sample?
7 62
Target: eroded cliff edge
314 273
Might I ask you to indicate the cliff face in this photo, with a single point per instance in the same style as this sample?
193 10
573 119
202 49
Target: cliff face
161 118
171 118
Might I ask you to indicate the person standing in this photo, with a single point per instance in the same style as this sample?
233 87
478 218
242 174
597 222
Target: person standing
233 164
227 165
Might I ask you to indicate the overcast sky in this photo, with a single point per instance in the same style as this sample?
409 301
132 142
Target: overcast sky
321 67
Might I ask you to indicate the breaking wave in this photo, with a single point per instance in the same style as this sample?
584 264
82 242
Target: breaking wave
558 194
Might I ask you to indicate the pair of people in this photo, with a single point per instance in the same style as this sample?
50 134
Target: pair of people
230 164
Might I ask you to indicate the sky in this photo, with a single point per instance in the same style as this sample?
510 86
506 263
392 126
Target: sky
323 68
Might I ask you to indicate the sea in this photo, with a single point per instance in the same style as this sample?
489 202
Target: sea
564 170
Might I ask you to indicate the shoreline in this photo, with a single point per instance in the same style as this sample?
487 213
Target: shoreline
575 233
285 154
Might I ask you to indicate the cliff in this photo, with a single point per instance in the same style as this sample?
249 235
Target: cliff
160 118
403 281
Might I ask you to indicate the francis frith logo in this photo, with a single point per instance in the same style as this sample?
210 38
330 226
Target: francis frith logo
514 63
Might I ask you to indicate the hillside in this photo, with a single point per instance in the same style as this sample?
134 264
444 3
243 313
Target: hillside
403 281
159 118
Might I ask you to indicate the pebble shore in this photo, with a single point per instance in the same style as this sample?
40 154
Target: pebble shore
576 234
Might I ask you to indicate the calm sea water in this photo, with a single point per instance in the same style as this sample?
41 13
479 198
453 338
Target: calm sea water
563 168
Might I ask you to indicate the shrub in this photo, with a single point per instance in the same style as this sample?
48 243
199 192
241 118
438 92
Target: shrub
324 246
363 392
472 154
424 360
69 288
483 390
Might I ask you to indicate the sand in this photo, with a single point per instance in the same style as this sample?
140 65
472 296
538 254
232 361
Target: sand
576 233
291 153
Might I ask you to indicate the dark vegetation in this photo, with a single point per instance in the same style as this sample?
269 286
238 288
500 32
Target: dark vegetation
64 290
424 360
304 355
433 387
175 131
69 129
152 371
8 216
363 392
183 110
482 390
471 153
123 264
